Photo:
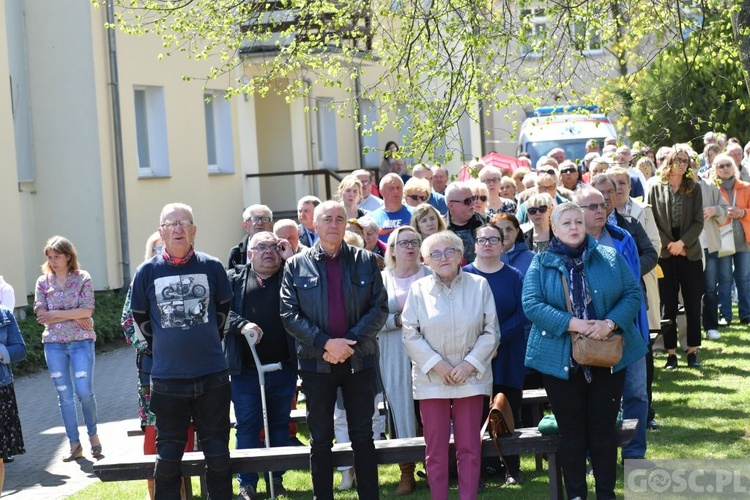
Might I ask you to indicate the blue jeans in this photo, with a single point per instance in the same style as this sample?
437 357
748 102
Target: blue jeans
71 365
741 261
359 391
280 387
635 405
175 402
711 296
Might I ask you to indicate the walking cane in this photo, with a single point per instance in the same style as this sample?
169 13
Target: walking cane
252 337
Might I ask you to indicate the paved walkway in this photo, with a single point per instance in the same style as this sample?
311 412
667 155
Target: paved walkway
41 473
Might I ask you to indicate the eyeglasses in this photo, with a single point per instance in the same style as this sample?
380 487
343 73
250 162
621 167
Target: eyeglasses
265 248
408 243
542 209
492 240
682 161
481 198
568 171
255 219
447 253
725 165
416 197
544 189
171 225
550 171
491 180
595 206
466 201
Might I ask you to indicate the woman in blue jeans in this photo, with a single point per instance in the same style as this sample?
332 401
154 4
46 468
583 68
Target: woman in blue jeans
64 304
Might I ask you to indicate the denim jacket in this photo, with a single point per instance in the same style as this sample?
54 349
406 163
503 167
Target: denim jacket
12 346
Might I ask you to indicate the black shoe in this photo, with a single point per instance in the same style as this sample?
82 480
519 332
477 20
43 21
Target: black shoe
745 321
652 424
692 360
9 460
278 487
671 362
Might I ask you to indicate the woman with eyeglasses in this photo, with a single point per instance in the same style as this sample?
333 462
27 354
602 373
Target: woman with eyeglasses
416 192
451 333
506 283
497 202
64 305
677 204
402 268
539 207
737 195
578 285
350 194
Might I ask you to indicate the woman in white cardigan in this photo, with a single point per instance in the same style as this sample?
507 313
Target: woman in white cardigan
402 268
451 332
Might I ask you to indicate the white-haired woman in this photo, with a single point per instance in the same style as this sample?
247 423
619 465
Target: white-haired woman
402 268
450 331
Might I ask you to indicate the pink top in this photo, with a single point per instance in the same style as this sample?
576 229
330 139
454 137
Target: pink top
77 292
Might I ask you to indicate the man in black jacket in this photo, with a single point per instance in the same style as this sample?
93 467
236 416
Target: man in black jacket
334 303
256 307
255 218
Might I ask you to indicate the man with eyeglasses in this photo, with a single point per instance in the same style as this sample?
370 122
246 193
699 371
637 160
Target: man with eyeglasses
255 218
255 307
393 213
436 199
369 201
595 208
461 217
180 301
333 303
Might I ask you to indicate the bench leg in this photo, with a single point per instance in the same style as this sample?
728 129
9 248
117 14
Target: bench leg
536 415
555 478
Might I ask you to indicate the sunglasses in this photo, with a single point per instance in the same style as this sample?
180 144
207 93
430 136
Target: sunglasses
550 171
541 209
568 171
724 165
416 197
466 201
595 206
481 198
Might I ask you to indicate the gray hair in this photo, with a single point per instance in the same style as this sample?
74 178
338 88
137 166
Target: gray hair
368 222
586 191
448 237
566 207
252 208
457 186
602 178
327 205
391 178
308 199
171 207
284 223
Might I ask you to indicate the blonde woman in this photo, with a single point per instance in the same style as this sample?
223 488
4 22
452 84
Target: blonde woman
427 220
350 194
416 191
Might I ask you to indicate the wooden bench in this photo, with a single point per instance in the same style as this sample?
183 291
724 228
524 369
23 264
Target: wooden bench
523 441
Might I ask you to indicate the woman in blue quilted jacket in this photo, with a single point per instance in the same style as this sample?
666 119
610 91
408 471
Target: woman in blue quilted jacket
604 298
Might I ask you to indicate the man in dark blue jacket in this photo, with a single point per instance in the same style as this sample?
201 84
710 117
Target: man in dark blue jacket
333 303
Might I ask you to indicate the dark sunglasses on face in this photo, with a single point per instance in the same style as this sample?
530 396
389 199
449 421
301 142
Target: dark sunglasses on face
541 209
466 201
550 171
416 197
481 198
595 206
568 171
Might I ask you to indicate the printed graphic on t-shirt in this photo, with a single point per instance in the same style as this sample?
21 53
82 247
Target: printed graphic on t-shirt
182 300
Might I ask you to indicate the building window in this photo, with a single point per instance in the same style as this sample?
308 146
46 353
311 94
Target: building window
218 115
534 31
151 132
589 43
327 144
370 138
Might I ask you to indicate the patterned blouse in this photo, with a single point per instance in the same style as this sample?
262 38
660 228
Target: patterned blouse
77 292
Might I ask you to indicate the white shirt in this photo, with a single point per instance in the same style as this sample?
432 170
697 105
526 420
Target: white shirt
371 203
7 296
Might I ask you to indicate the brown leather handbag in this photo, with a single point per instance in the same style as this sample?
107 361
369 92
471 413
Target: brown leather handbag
499 423
604 353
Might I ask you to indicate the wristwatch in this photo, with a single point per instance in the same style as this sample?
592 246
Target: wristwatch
610 324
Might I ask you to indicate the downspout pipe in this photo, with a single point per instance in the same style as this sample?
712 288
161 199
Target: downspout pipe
119 162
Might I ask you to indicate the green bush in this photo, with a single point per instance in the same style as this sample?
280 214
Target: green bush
106 323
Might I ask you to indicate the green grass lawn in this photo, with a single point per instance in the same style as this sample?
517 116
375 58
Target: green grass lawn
702 414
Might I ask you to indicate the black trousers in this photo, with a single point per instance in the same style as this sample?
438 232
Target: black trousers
586 415
358 390
686 276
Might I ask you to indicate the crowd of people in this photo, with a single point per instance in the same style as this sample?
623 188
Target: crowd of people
431 295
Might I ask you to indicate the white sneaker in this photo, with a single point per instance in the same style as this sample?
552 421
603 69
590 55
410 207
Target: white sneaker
713 335
347 479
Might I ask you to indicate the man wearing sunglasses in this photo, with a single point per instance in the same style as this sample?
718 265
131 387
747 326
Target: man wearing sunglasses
461 218
570 178
255 218
436 199
596 208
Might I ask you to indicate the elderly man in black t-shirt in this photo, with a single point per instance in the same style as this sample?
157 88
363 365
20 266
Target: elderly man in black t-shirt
256 307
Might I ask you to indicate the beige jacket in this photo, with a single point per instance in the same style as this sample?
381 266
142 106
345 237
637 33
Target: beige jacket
453 324
710 237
